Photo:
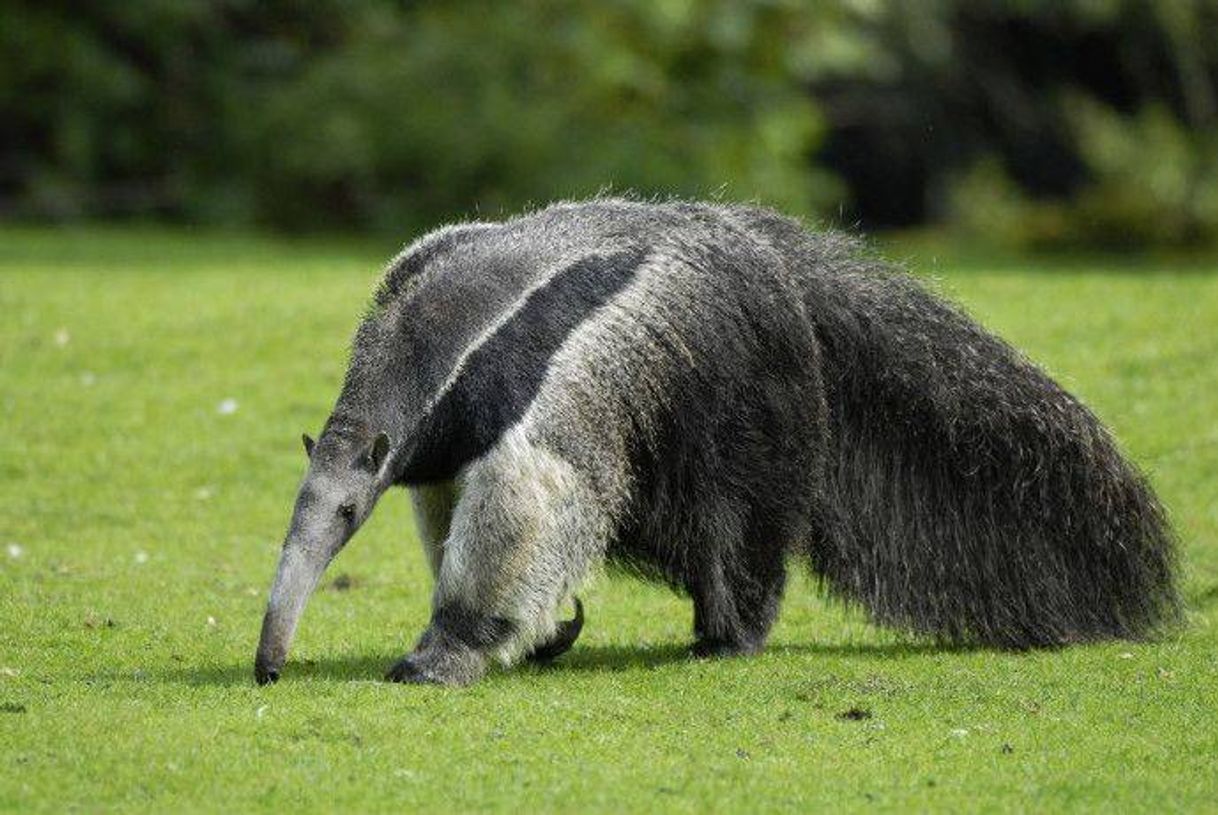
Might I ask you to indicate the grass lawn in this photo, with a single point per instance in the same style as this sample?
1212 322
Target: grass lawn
141 517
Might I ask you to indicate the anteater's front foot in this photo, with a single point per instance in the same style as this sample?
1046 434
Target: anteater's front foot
714 648
407 671
439 664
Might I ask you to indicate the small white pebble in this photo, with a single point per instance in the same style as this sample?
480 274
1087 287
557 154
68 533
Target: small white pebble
15 550
62 337
959 733
211 620
260 711
204 493
88 379
141 557
1124 655
227 407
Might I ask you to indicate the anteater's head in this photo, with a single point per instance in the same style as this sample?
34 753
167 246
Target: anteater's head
348 472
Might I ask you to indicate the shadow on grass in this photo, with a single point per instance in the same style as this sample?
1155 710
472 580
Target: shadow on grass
581 659
347 668
613 658
1205 598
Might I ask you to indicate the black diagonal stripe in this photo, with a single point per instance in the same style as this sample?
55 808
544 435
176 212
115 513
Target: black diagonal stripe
501 377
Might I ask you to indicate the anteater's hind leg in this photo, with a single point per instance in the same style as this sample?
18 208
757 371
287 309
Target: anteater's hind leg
524 532
737 591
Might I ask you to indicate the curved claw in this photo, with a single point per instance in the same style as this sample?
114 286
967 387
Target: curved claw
563 639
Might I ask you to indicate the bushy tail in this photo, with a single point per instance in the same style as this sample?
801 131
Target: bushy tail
970 497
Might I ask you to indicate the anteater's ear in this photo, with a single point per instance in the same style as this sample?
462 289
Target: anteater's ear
308 443
378 451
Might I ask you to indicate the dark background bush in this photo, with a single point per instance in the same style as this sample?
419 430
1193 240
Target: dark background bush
1076 122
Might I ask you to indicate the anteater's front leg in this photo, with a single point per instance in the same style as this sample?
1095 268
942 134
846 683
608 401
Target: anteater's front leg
433 515
523 534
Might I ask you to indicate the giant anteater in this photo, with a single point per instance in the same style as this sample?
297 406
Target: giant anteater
699 391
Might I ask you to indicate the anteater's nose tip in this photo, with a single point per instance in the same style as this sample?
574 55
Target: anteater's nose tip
264 675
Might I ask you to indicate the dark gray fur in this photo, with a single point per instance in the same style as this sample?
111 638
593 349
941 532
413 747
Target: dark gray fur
699 392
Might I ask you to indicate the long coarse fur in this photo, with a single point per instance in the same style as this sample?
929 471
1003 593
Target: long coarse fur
701 391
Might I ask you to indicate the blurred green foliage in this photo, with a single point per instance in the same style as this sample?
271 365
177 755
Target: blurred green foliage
1072 122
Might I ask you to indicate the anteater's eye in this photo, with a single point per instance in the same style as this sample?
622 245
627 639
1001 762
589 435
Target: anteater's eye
347 511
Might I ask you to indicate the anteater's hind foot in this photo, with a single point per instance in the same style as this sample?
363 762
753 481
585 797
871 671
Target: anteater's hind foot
711 648
736 595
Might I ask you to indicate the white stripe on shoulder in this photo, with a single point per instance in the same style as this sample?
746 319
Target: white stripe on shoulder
502 319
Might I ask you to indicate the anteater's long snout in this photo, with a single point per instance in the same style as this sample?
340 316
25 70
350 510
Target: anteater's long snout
266 670
300 569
